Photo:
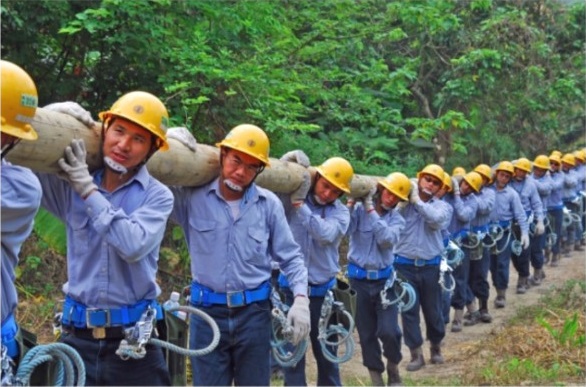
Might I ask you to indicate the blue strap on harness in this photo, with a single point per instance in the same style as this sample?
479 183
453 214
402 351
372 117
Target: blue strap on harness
313 290
9 331
356 272
80 316
399 259
202 295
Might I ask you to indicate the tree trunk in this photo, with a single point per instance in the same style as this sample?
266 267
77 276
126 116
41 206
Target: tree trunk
177 166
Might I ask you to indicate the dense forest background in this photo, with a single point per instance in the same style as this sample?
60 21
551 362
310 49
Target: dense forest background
389 85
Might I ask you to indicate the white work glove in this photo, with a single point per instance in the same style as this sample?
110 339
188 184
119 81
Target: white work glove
75 169
414 194
74 110
184 136
298 317
298 196
455 186
525 241
296 156
369 199
539 227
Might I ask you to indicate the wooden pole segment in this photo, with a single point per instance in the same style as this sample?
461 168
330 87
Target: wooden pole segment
177 166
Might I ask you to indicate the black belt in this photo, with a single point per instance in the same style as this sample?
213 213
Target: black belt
111 333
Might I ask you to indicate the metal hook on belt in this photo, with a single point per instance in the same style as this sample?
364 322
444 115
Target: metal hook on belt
138 336
330 308
7 367
390 285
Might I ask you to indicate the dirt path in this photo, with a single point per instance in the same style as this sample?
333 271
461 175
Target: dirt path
354 372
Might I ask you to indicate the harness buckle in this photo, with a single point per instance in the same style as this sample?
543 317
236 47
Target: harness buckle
372 274
419 262
235 299
100 316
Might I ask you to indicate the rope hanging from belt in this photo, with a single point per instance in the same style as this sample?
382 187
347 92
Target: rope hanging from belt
330 308
69 365
401 290
286 354
138 336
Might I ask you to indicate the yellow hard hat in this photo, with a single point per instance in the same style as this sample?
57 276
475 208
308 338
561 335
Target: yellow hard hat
19 101
556 158
337 171
447 180
506 166
397 183
541 161
249 139
458 171
474 180
579 154
523 164
556 153
484 170
433 170
145 110
569 158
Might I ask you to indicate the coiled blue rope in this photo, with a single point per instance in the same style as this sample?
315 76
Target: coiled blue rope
70 367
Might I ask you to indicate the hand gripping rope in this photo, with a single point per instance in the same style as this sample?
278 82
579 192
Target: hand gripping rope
330 308
70 368
446 279
138 336
453 254
282 334
398 290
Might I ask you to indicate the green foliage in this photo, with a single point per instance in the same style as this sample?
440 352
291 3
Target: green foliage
51 231
569 334
374 81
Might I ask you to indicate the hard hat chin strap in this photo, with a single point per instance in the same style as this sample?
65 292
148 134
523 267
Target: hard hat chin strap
8 147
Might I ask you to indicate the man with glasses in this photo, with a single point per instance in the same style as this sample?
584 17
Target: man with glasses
234 229
417 258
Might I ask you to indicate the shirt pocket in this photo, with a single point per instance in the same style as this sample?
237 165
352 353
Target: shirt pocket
256 245
79 223
203 235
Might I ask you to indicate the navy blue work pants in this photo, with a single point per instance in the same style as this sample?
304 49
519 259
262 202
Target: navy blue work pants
242 355
375 323
500 262
424 280
104 368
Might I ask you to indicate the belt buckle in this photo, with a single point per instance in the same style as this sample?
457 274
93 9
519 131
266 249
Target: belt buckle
372 274
419 262
98 332
230 303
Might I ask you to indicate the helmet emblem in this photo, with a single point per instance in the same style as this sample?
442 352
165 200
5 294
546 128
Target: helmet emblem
337 174
251 143
138 109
